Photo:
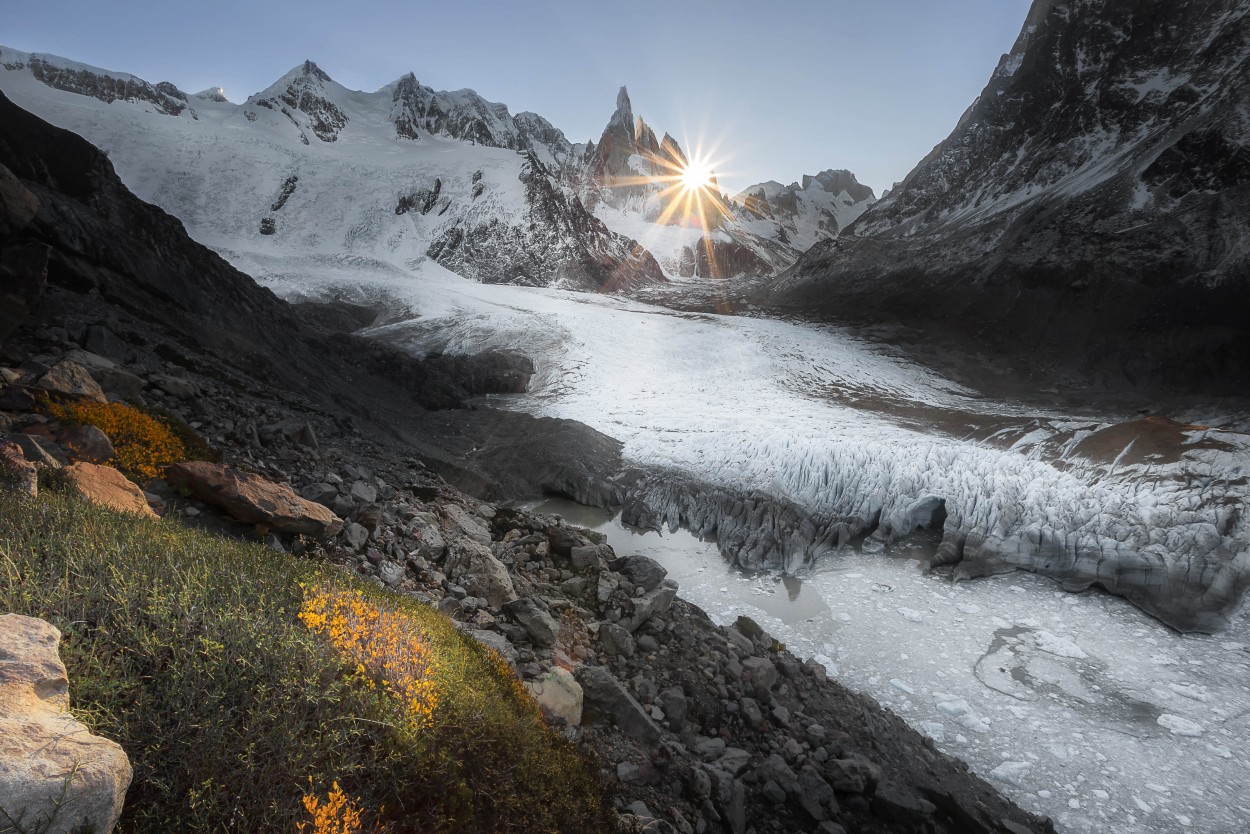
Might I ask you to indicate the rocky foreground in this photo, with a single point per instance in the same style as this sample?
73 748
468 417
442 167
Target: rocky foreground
705 728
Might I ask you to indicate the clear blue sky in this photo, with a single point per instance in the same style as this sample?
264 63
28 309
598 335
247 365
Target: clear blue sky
785 87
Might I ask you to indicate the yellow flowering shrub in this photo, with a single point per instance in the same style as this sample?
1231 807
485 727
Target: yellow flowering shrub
142 444
336 814
383 646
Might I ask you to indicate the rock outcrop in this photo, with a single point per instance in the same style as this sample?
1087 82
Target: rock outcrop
1087 210
55 776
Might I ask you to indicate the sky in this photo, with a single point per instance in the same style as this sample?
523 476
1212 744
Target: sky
769 89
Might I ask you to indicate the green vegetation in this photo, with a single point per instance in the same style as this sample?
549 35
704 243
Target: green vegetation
189 650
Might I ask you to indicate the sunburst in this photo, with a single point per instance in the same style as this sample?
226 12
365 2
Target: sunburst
690 194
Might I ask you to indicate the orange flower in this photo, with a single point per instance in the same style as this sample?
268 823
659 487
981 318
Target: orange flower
141 443
382 646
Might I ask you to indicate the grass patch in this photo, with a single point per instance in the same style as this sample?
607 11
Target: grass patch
189 650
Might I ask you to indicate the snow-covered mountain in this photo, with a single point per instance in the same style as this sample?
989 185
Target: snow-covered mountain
1090 205
307 169
807 214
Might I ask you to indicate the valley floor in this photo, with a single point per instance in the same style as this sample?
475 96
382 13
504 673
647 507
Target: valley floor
1077 706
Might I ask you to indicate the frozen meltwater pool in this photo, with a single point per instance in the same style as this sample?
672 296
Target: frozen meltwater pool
1077 706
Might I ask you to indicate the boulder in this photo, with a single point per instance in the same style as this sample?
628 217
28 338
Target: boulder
476 568
120 384
70 378
38 450
652 604
759 673
183 389
676 706
355 535
616 640
559 696
560 543
543 629
606 695
106 486
87 443
55 776
16 472
641 570
253 499
459 523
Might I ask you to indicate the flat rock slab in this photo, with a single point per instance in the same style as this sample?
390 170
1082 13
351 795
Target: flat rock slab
107 487
55 776
253 499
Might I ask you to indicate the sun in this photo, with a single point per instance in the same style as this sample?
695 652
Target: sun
696 176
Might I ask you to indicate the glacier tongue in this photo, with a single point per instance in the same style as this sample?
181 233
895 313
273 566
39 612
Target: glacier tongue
787 440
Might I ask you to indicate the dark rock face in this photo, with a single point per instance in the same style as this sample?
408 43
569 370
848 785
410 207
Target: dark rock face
165 97
564 245
418 109
1087 208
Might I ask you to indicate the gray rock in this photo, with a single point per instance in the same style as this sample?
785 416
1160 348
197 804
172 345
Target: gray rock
559 696
749 709
321 492
542 628
894 803
734 760
363 493
776 769
391 573
459 523
815 796
651 604
474 566
675 704
120 384
641 570
730 800
739 641
183 389
616 640
816 670
854 775
355 535
607 696
584 557
710 749
760 674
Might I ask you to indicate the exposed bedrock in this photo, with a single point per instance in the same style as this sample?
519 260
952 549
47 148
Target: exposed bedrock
1175 565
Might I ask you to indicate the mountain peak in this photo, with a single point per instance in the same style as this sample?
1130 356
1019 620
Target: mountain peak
216 94
623 117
